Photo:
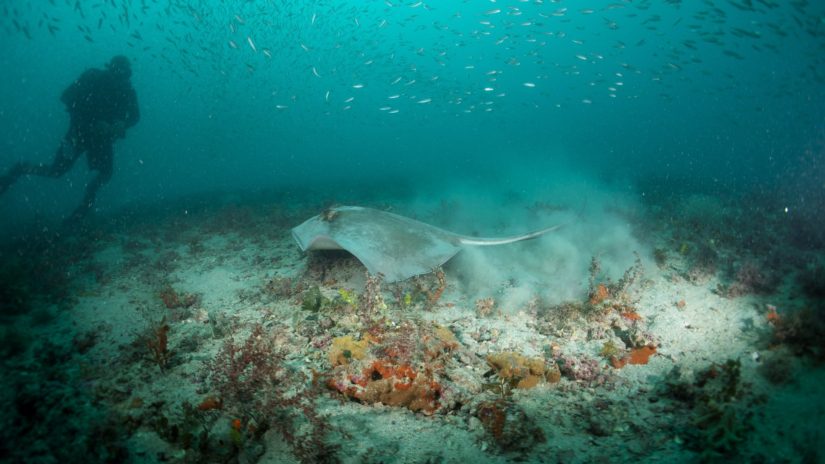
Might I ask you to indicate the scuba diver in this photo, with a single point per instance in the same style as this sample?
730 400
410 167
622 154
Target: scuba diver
102 104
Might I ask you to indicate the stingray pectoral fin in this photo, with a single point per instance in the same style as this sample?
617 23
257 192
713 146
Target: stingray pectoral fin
398 263
481 241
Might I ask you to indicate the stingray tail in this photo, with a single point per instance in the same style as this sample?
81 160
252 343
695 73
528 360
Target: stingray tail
480 241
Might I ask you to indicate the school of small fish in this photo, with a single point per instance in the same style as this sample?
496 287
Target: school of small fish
469 56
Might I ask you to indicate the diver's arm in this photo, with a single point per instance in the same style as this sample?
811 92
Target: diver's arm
75 90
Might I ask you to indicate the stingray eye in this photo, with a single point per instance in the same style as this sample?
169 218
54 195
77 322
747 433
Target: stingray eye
329 214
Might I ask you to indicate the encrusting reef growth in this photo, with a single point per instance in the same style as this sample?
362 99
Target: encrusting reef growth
210 338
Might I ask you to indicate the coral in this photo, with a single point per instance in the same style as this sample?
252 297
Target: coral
52 414
516 370
610 350
423 291
752 277
312 299
210 403
777 368
282 287
346 348
640 355
509 426
173 300
158 343
347 296
255 384
607 296
721 416
485 306
598 295
435 295
391 384
371 302
399 367
583 369
802 330
241 371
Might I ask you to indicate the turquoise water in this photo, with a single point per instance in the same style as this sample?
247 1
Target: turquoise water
710 93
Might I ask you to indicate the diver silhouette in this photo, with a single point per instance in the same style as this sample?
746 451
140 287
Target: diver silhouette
102 104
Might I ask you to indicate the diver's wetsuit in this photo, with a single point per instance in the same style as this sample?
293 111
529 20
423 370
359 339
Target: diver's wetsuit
102 104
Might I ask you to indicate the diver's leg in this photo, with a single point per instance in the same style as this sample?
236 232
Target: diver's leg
100 158
64 158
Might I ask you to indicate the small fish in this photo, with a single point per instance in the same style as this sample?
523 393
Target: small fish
313 19
326 96
358 86
349 99
233 44
315 71
424 100
251 44
281 107
306 49
529 84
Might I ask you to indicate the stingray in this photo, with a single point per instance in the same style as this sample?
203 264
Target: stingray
396 246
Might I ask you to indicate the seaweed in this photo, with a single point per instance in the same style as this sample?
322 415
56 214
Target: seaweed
719 402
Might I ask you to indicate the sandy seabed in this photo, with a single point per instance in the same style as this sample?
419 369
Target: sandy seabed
207 336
